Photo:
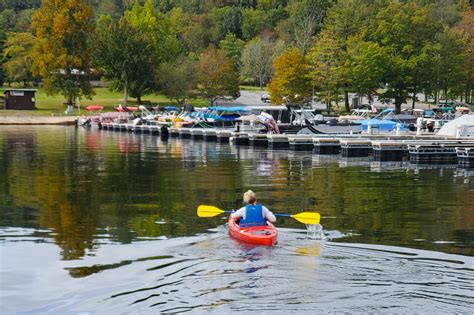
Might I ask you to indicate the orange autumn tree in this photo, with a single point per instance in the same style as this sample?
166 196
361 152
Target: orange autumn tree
62 54
291 82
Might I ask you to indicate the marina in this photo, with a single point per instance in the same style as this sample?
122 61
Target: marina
422 149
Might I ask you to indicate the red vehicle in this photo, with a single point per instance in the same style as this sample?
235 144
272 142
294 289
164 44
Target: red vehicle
259 235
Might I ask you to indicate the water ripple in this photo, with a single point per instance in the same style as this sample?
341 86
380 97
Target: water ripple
213 273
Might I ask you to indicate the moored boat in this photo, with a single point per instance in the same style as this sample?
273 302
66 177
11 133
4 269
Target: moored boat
260 235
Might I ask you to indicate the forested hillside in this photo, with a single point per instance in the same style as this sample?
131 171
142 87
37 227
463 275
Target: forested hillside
189 48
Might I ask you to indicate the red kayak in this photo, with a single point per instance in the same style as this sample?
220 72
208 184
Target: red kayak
259 235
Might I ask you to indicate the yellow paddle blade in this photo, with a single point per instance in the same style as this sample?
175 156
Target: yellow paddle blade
208 211
307 217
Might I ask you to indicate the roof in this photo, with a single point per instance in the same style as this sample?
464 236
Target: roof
20 90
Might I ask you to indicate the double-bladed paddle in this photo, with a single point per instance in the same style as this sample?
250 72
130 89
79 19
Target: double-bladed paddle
204 211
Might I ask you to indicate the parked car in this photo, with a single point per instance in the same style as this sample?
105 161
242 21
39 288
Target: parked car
265 98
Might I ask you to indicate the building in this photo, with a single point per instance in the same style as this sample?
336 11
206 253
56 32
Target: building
19 99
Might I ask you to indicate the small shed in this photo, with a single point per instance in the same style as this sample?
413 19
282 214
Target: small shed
19 99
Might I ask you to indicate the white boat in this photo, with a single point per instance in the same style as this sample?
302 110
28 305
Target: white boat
460 127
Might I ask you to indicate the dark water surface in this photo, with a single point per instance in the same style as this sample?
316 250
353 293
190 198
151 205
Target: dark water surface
104 223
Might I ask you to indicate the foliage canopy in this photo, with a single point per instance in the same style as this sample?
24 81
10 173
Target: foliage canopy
62 53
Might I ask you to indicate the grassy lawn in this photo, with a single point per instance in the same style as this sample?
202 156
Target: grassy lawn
54 105
252 88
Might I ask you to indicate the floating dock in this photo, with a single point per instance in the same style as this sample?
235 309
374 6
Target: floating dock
380 148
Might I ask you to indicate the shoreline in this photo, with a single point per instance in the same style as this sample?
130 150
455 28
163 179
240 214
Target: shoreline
37 120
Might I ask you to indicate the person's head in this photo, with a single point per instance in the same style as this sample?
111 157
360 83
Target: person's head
250 197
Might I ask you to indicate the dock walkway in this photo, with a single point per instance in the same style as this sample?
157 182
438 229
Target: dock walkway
424 149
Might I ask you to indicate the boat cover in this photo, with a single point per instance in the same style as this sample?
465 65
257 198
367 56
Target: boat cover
380 124
466 124
229 108
94 107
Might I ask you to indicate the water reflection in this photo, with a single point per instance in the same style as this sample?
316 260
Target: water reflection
310 250
81 183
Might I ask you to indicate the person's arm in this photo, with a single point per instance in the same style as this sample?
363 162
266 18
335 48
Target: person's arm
238 214
268 215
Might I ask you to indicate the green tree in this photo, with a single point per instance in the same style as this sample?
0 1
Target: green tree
23 21
126 56
157 27
306 17
18 53
406 33
326 62
17 5
232 46
177 79
193 30
62 54
194 6
274 15
345 19
2 59
257 58
365 65
449 63
216 76
291 81
267 5
114 8
226 20
448 12
253 22
7 20
467 27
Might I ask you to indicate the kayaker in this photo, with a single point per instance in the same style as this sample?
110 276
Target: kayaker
253 214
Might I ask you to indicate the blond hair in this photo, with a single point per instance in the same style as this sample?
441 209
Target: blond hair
250 197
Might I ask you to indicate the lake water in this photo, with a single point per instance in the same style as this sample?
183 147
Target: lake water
105 223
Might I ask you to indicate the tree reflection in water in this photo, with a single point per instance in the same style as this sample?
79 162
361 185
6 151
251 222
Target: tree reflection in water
93 187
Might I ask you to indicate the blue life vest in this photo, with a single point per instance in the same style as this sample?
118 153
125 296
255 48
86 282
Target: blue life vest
253 216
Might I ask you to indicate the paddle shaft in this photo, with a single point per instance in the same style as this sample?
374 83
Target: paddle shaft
275 214
303 217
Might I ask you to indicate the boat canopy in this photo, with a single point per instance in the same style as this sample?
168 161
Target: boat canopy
169 108
387 110
266 107
380 124
229 108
